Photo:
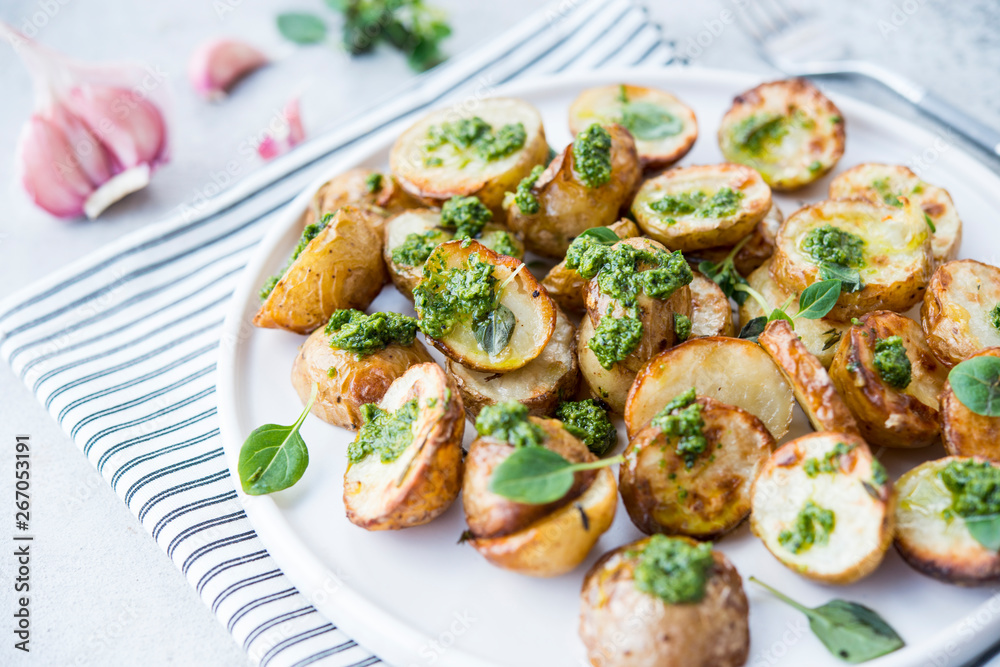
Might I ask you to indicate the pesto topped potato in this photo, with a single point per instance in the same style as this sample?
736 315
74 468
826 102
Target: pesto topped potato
967 433
961 309
752 251
360 187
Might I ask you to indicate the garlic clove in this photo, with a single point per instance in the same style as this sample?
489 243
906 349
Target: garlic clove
291 133
216 66
90 155
129 181
130 127
50 172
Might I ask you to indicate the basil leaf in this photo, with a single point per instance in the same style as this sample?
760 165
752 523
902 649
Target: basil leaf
985 530
819 299
649 122
753 328
850 279
301 28
779 314
274 457
602 235
536 475
495 331
976 383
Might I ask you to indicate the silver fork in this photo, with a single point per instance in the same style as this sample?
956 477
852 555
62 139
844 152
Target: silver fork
799 45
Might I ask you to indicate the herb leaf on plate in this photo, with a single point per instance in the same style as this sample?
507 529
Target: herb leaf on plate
301 28
976 383
274 457
535 475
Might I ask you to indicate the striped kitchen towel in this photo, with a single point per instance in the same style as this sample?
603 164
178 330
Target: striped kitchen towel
121 346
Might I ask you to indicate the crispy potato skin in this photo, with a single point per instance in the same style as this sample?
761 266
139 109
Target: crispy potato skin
341 268
863 510
711 314
716 491
818 148
689 232
351 188
568 207
610 385
812 385
956 307
711 633
887 416
964 432
603 105
757 249
566 286
929 543
425 480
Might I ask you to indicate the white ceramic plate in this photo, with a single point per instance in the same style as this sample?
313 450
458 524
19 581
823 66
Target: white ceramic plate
416 598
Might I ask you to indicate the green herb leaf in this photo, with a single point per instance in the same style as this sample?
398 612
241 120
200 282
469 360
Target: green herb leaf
930 223
819 299
724 275
753 328
536 475
602 235
852 632
850 279
494 332
301 28
649 122
985 530
976 383
779 314
274 457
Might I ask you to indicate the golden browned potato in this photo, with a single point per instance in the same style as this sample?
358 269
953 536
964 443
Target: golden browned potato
812 385
711 314
961 310
541 384
889 247
566 286
611 385
787 130
623 626
885 184
531 313
566 206
364 188
338 267
734 371
710 497
823 506
537 540
689 208
930 537
754 250
964 432
386 489
461 151
895 406
664 128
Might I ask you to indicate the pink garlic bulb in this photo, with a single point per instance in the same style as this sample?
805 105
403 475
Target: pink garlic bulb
218 65
291 133
97 133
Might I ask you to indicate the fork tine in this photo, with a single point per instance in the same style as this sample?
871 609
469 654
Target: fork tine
749 23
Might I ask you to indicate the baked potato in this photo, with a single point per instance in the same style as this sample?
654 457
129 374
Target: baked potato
610 385
710 497
931 537
470 296
664 128
755 250
888 249
387 487
690 208
364 188
812 385
731 370
337 265
460 151
711 314
892 392
621 625
961 310
823 506
966 433
787 130
552 208
537 540
541 384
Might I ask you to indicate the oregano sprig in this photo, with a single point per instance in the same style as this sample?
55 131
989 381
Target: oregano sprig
815 302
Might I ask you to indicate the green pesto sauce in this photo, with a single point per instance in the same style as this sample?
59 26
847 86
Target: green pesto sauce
525 199
592 156
755 135
830 463
995 317
501 242
673 569
509 422
614 339
682 327
884 190
586 255
387 434
308 234
722 204
892 363
374 182
474 135
620 278
446 297
362 334
812 526
879 474
466 215
649 122
681 418
589 422
415 250
975 488
829 244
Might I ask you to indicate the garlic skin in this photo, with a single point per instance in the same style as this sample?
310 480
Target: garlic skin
290 134
217 65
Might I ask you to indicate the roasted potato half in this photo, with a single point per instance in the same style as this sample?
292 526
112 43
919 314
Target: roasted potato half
964 432
340 267
514 288
707 499
689 208
566 286
460 151
364 188
664 128
755 250
961 310
622 626
567 206
933 542
891 410
823 506
787 130
886 183
731 370
424 479
711 314
890 248
537 540
811 383
541 384
611 385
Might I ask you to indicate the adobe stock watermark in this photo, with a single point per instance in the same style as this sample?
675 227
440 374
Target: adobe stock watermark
899 16
431 651
711 30
39 17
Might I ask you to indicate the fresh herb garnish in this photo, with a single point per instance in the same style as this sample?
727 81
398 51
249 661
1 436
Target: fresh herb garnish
930 223
494 331
373 182
814 303
536 475
274 457
976 383
726 276
301 28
